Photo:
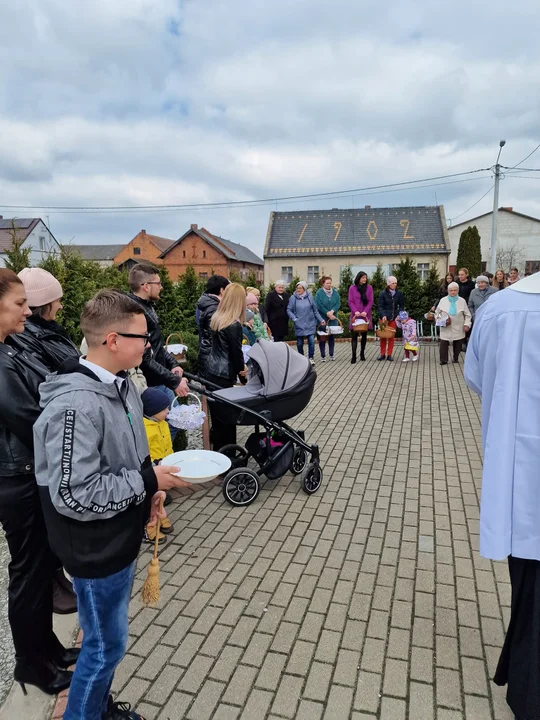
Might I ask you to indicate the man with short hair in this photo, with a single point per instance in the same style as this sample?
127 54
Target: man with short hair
466 285
502 367
158 366
98 488
514 276
206 306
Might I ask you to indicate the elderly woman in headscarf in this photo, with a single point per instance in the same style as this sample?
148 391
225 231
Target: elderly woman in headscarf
480 294
391 303
454 313
305 316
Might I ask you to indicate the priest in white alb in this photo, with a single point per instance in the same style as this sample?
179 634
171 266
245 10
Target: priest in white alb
503 367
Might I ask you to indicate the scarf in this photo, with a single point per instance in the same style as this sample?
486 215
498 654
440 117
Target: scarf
329 293
453 302
362 291
392 292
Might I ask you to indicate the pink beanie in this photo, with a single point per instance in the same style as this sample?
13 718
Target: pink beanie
41 287
251 299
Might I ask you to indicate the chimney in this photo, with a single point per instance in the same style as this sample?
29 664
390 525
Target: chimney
368 207
143 232
194 226
508 209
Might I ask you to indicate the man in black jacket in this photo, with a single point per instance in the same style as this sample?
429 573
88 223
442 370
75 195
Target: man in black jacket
158 366
206 306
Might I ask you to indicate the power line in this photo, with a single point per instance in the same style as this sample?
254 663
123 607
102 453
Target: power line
473 205
521 169
525 158
235 203
263 203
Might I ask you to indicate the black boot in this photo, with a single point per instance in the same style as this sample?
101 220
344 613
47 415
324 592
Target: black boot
362 357
353 360
64 599
62 657
42 675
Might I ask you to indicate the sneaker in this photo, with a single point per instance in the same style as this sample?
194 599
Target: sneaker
166 526
150 535
332 358
381 357
120 711
312 361
323 359
415 358
390 358
406 360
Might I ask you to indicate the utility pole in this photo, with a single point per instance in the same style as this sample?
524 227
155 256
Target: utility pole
493 251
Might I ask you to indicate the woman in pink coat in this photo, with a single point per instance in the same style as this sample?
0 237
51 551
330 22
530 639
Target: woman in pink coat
360 302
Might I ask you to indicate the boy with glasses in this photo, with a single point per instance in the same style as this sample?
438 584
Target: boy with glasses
98 488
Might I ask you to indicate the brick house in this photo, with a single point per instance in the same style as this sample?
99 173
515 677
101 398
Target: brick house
210 254
143 248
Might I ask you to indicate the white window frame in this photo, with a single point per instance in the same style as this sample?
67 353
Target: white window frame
422 270
287 273
313 274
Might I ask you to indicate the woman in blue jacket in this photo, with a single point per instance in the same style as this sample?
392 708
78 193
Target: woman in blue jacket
306 317
328 301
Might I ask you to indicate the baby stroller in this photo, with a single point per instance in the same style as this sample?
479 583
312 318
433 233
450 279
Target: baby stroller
280 386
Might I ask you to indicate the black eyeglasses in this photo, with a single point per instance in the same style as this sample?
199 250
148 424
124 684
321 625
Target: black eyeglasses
154 282
145 337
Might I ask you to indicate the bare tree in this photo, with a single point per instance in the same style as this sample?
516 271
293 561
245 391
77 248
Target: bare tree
509 257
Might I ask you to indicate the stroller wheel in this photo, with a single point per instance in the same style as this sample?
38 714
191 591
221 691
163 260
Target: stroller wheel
312 478
299 461
236 454
241 486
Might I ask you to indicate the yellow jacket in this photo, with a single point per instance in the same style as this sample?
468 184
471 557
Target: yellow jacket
159 438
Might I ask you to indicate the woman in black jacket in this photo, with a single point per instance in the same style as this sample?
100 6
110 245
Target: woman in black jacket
275 308
391 303
226 359
40 657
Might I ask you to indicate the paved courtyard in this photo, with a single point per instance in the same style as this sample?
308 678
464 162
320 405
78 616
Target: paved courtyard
367 600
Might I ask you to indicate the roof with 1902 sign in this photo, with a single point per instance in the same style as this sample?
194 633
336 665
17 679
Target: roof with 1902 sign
366 231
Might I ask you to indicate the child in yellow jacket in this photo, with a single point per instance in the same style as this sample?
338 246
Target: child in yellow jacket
156 408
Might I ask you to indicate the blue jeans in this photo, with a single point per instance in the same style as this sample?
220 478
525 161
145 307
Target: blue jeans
310 342
103 616
331 340
170 394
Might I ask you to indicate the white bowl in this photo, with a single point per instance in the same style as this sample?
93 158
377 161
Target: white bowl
198 466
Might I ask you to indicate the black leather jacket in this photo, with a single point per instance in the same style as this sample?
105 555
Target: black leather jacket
207 306
20 377
226 358
47 341
390 305
157 362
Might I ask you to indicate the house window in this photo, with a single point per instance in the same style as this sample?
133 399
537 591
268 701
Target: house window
422 270
287 273
183 253
204 253
42 242
136 250
312 274
203 276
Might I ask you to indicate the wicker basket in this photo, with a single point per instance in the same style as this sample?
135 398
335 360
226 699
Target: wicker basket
336 329
430 316
322 333
360 327
385 331
181 356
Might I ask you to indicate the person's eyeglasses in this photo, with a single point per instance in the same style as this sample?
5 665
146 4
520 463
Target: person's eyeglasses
154 282
145 337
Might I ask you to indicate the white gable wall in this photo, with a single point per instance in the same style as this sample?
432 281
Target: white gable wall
512 230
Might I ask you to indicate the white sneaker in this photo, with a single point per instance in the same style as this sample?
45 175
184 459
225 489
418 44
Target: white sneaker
332 357
312 361
415 358
323 359
406 360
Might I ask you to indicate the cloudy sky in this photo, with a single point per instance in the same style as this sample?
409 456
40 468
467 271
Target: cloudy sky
154 102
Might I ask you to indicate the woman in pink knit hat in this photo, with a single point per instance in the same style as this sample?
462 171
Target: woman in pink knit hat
47 341
43 336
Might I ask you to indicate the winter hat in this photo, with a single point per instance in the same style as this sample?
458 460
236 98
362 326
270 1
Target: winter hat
249 315
303 284
40 286
251 299
154 401
403 315
391 279
482 278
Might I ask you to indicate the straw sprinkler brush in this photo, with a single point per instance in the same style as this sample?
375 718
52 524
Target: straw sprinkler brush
150 589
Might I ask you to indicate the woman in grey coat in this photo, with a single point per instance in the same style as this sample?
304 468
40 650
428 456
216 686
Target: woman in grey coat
480 294
305 316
